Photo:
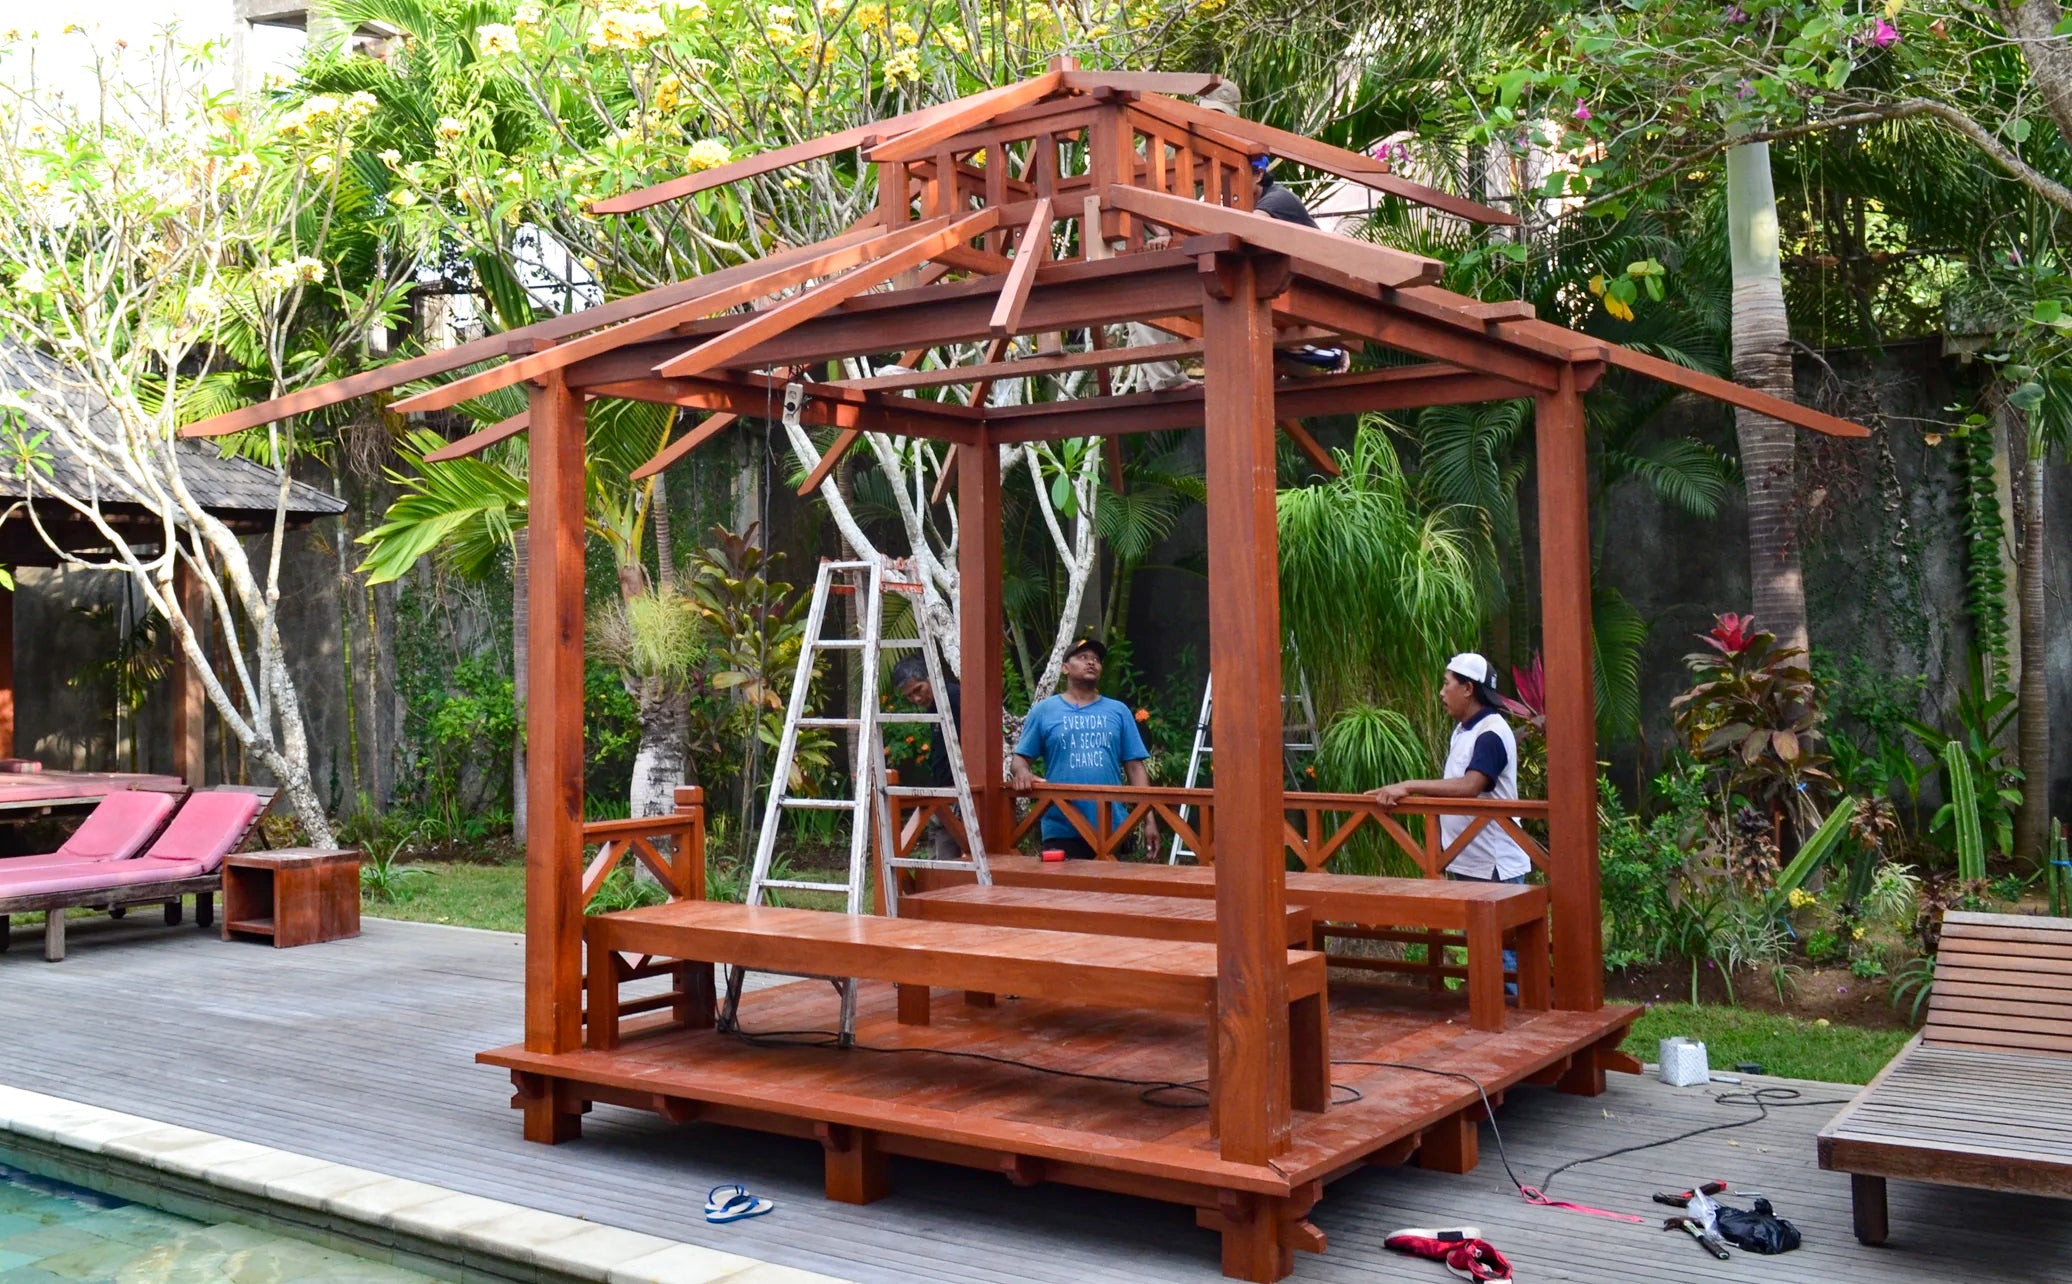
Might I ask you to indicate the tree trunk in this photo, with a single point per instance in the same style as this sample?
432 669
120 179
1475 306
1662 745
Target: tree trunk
1762 360
2034 24
658 765
2032 736
665 550
521 660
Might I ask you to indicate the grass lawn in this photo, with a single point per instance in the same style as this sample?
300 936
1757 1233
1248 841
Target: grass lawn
1783 1045
493 896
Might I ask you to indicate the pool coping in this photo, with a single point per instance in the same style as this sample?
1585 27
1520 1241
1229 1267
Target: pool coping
409 1224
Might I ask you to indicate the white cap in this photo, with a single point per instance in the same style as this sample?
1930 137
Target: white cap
1474 668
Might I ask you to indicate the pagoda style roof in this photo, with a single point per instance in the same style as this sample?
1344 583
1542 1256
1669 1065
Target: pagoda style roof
1065 202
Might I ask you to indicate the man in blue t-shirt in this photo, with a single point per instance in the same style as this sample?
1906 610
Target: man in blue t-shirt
1084 738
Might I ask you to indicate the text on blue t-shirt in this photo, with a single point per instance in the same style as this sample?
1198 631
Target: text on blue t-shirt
1081 745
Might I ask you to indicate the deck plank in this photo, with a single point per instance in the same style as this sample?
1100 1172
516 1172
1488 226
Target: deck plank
362 1051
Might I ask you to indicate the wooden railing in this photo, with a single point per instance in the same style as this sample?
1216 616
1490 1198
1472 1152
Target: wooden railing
672 848
1316 828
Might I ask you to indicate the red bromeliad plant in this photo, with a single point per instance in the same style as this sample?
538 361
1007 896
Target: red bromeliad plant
1755 713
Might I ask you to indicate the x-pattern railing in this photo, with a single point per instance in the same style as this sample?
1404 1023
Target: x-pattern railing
1316 827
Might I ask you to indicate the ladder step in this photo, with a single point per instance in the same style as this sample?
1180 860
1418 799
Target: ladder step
819 804
894 716
921 862
830 722
838 644
922 791
804 885
899 641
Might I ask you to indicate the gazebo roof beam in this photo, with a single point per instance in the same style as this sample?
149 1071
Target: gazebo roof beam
482 438
828 405
920 141
712 426
911 252
1396 388
1374 264
492 347
1025 367
1067 295
861 257
1179 84
1367 317
1252 137
812 149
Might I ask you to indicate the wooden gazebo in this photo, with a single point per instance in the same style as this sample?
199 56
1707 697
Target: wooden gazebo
1027 210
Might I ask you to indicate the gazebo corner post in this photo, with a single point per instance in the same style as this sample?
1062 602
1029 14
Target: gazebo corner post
554 745
6 673
1251 1108
190 744
1565 609
980 638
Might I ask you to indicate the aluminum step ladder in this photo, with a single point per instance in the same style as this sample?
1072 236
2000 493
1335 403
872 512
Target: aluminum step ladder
1298 735
869 800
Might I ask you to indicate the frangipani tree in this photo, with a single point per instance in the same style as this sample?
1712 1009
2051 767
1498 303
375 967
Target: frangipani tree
163 247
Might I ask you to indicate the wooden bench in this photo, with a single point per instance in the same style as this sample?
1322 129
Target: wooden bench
1979 1097
1485 913
1161 918
1068 967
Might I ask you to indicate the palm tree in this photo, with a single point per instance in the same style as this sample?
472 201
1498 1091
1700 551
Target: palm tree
468 511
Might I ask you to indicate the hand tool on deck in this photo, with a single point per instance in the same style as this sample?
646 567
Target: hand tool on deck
1678 1199
1711 1243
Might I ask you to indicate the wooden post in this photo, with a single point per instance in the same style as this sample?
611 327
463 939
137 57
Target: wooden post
1571 698
979 643
1251 1105
6 675
554 742
190 745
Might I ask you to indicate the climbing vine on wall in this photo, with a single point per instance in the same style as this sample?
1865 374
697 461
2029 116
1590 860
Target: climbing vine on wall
1985 570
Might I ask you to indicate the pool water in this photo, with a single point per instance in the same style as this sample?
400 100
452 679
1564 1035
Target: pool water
53 1232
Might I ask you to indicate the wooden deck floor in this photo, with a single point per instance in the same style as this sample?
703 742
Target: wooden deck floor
362 1052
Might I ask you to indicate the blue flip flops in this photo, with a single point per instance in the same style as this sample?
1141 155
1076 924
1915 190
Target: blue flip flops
732 1203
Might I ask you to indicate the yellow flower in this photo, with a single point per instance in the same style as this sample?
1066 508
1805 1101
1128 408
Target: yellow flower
322 164
391 158
31 281
1856 933
625 29
530 16
360 106
1096 31
402 198
668 90
832 9
449 128
708 153
952 39
904 33
904 65
494 38
870 15
240 168
1800 898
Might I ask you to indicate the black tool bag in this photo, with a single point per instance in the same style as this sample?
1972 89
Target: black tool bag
1757 1231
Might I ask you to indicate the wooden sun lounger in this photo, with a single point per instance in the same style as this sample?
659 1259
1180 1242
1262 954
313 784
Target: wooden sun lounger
1485 913
1980 1096
118 898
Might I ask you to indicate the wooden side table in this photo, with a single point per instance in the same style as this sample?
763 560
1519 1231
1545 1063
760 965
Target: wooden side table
294 896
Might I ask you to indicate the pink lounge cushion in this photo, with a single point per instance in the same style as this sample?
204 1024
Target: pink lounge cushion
207 827
94 876
120 826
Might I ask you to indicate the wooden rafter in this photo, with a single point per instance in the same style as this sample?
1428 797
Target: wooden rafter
491 347
828 406
482 438
915 249
1252 137
712 426
1374 264
987 372
919 143
1014 293
1309 446
857 257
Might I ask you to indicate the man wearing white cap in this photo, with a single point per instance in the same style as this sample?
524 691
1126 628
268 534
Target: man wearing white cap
1482 762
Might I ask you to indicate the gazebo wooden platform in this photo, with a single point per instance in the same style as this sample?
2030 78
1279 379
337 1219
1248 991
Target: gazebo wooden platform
1053 208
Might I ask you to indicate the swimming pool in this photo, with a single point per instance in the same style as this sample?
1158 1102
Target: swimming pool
52 1232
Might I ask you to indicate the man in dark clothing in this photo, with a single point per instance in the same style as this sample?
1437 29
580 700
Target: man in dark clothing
910 679
1276 200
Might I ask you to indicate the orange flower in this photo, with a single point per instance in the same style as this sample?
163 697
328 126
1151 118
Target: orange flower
1143 715
1311 772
